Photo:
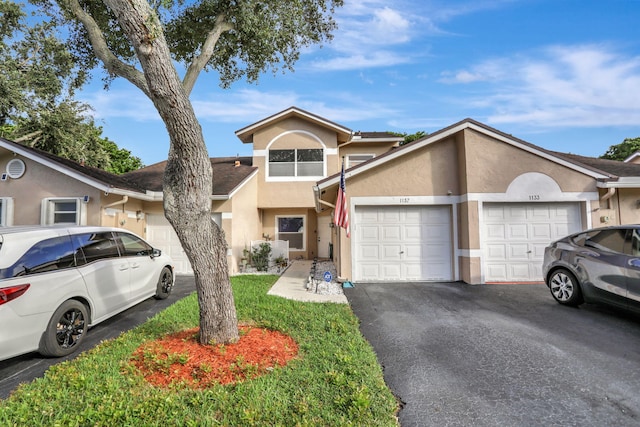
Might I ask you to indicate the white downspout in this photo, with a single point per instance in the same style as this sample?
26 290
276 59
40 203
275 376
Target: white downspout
124 200
610 192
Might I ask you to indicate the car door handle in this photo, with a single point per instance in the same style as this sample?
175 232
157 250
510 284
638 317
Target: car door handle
135 265
124 267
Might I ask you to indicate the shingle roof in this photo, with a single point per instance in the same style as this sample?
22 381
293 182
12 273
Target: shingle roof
226 175
613 167
108 179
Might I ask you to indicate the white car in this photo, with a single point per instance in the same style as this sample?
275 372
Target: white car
56 282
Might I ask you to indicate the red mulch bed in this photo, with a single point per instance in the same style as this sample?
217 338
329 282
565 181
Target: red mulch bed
180 359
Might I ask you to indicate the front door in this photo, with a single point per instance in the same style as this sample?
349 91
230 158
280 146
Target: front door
324 236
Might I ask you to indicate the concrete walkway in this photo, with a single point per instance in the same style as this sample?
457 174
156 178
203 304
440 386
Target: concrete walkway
292 285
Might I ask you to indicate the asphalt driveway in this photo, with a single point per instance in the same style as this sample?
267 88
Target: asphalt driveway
30 366
487 355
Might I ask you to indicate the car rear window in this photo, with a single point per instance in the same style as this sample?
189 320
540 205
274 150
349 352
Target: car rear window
47 255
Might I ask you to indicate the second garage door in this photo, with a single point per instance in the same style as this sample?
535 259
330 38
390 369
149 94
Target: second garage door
403 243
162 236
516 234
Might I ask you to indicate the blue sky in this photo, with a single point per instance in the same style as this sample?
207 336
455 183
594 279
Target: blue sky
561 74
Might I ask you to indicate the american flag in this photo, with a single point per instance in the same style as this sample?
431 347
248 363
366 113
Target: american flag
341 214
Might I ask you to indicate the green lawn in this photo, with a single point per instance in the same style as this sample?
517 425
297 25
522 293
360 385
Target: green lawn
334 381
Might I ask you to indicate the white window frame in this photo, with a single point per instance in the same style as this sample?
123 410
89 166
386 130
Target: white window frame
6 211
296 163
351 162
48 210
273 145
304 231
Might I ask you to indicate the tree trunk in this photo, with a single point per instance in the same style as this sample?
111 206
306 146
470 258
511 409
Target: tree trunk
188 176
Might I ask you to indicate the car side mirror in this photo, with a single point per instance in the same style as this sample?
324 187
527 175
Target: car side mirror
156 253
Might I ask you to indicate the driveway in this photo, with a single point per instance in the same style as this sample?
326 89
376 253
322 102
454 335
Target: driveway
487 355
30 366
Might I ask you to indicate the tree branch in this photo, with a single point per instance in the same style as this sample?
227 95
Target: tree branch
101 49
200 61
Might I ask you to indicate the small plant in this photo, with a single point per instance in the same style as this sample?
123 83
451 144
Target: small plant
281 261
260 256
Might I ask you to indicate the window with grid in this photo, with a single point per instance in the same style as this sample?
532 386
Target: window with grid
62 211
296 162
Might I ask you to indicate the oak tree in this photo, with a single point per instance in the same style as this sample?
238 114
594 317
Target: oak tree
141 41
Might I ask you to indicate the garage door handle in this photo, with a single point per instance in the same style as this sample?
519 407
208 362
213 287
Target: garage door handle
529 252
401 252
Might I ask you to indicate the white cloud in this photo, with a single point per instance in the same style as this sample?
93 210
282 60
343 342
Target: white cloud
360 60
585 86
120 103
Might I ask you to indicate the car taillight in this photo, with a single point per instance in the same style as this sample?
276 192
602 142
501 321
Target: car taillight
12 292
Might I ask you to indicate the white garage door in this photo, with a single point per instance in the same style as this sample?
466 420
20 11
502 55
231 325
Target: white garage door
161 235
516 234
402 243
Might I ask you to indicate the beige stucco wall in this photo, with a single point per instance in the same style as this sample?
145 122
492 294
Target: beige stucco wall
40 182
492 165
114 213
626 207
311 245
245 223
289 134
426 172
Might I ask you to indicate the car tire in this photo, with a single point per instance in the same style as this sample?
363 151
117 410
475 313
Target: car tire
565 288
165 284
65 330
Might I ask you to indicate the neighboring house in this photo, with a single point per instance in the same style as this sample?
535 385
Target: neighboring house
474 204
465 203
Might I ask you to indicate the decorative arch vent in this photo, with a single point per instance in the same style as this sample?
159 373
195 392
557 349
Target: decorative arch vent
15 168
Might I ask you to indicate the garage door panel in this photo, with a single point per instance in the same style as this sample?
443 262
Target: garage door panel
496 231
517 212
518 251
412 233
392 252
162 236
496 252
414 241
390 217
391 232
437 233
519 271
530 228
391 271
540 213
541 231
369 233
369 252
370 271
498 272
517 231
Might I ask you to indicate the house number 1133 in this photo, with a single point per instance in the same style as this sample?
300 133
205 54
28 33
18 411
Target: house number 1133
534 197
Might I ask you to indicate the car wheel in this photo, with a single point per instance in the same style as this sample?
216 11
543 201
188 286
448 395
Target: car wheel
66 329
165 284
565 288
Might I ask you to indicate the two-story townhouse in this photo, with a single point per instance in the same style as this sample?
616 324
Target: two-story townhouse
292 150
465 203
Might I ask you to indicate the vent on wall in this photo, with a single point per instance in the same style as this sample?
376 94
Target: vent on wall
15 168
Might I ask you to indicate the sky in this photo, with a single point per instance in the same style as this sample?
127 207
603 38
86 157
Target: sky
560 74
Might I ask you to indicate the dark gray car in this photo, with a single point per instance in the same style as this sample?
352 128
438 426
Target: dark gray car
597 265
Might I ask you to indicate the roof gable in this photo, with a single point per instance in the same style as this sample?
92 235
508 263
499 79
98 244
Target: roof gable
593 169
246 134
97 178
